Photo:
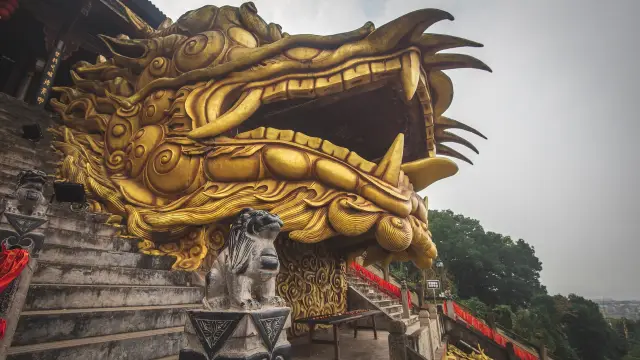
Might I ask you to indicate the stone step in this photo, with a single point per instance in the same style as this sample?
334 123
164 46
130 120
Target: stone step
396 315
82 225
35 327
383 303
392 309
412 321
20 162
77 239
142 345
16 144
50 273
90 257
57 296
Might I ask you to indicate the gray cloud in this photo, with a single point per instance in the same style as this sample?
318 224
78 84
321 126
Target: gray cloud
559 169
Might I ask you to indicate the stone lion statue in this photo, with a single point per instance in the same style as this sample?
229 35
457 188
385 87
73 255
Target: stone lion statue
244 274
28 199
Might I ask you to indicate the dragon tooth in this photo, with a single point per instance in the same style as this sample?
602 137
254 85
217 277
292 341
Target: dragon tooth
301 88
275 92
357 161
329 148
272 134
356 75
389 167
286 135
300 138
410 74
248 104
329 85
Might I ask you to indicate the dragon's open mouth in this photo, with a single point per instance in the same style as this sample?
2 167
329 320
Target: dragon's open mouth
335 134
365 117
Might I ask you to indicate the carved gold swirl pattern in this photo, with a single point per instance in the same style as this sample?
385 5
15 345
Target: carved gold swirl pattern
311 280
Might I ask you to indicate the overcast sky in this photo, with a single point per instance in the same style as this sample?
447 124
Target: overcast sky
560 168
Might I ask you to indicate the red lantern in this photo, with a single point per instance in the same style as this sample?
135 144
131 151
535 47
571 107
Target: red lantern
7 8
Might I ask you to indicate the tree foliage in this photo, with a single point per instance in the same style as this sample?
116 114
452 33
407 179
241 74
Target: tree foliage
487 265
499 278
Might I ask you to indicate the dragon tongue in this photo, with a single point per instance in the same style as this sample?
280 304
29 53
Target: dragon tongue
389 167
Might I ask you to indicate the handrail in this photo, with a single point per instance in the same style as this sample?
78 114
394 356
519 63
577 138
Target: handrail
514 335
487 331
382 284
377 266
509 333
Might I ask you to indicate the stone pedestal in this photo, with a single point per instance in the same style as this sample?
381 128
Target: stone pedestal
236 335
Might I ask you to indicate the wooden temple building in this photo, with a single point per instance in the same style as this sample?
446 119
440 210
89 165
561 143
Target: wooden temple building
42 39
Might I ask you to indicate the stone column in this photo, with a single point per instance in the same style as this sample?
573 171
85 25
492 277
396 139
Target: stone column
385 272
449 310
55 57
398 340
24 85
405 300
11 302
22 218
542 352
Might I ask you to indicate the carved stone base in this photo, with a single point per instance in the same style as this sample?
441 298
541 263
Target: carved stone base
237 335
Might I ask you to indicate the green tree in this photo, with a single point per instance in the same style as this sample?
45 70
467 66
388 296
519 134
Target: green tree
476 306
504 316
493 273
486 265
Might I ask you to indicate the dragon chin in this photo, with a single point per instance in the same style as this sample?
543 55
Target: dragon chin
177 132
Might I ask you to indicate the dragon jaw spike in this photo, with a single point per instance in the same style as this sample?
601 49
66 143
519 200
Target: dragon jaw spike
447 151
452 61
444 123
432 43
443 136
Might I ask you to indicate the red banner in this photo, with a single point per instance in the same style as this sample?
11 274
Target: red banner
383 285
12 262
482 327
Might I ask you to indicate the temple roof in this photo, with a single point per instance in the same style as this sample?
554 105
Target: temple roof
146 10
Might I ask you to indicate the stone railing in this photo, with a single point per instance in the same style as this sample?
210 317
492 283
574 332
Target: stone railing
423 343
376 269
521 348
22 219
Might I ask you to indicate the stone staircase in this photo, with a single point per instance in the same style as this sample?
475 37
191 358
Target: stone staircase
92 295
371 297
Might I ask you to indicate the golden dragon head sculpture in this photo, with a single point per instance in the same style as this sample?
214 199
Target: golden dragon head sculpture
182 128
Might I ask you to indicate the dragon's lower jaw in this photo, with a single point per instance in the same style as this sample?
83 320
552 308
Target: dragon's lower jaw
319 190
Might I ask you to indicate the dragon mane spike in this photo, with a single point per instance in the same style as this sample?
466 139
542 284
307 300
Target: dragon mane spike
124 103
447 151
441 91
444 136
165 23
410 26
140 26
443 122
452 61
432 43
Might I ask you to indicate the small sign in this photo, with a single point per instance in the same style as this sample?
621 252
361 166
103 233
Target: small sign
433 284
